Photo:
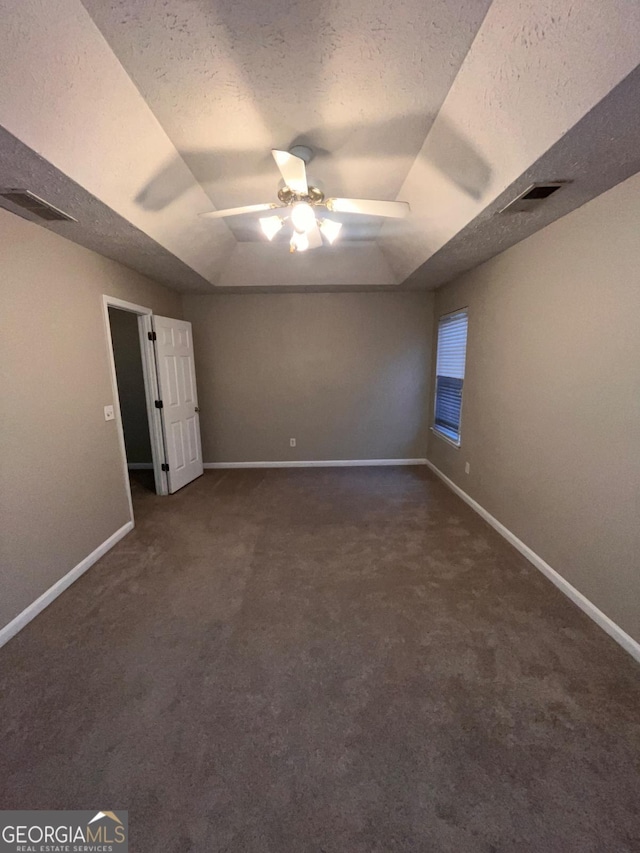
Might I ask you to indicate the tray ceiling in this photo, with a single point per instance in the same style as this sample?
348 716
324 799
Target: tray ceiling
158 112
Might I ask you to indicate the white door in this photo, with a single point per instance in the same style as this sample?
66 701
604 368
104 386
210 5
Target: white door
177 383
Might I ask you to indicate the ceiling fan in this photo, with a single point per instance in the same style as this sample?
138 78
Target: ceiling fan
299 202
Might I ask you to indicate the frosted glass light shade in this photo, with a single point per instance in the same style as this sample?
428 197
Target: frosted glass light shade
299 242
270 226
330 229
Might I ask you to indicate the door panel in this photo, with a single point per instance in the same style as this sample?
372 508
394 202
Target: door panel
177 381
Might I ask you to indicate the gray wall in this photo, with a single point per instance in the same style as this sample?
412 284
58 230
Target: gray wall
551 406
346 374
131 391
62 486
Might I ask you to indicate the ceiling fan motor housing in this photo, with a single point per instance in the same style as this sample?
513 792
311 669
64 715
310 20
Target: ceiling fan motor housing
313 196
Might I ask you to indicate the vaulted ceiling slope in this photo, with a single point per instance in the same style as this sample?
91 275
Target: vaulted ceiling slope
137 115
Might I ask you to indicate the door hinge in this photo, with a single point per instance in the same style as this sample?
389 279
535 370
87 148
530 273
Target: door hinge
152 336
165 467
159 404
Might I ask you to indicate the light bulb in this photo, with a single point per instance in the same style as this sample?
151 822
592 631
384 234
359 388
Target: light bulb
302 216
330 228
299 242
270 226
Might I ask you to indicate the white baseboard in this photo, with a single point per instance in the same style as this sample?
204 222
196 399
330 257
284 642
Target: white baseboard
37 606
139 466
613 630
323 463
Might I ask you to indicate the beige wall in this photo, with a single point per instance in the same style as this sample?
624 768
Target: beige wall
62 490
131 391
551 405
346 374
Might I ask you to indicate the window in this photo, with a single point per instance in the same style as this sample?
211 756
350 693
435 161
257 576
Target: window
452 347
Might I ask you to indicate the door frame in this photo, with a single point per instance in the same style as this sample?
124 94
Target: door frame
150 375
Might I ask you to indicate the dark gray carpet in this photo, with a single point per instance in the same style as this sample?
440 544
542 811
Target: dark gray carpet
336 661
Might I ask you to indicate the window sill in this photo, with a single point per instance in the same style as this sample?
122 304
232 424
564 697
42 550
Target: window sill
445 437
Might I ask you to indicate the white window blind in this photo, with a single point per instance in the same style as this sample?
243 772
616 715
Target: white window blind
452 349
452 345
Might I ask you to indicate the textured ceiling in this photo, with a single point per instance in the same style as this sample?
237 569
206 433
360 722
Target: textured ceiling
141 114
360 82
600 151
535 70
97 227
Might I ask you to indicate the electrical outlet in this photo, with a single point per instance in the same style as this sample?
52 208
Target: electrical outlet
467 467
109 414
292 442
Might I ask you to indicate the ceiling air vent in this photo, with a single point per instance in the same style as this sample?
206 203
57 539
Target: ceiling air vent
37 206
533 196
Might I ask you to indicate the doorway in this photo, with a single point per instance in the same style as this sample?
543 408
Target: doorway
125 339
134 378
155 395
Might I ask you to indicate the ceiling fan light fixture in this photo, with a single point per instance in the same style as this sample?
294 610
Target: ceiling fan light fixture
302 216
270 226
299 200
330 229
299 242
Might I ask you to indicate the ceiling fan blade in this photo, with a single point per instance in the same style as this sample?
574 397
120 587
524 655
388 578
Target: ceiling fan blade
315 237
236 211
293 170
371 207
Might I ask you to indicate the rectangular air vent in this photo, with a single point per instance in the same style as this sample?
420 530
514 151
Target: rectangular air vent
533 196
37 206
